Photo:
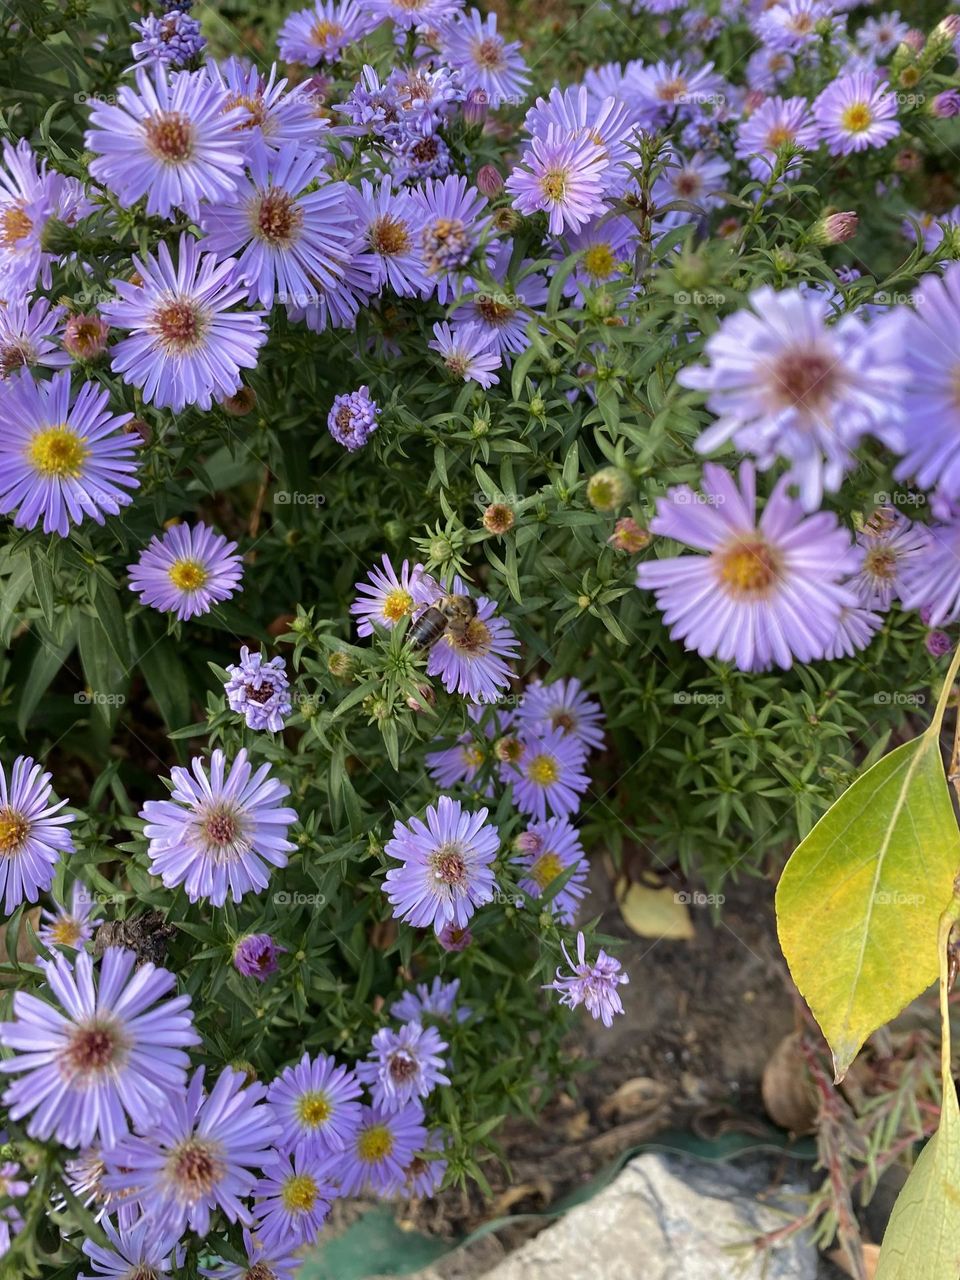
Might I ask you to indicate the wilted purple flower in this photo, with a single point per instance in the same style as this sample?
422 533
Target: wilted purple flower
423 1175
70 926
219 833
563 705
549 775
173 39
546 851
85 336
172 139
99 1052
26 330
259 690
467 352
592 984
471 45
388 598
856 111
315 1105
775 123
322 33
187 571
446 869
562 175
62 458
403 1065
416 157
353 418
427 96
33 835
293 1199
256 956
436 1001
776 588
891 544
139 1250
199 1153
379 1151
454 939
186 345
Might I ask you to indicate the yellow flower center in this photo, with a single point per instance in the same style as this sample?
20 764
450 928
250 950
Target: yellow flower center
15 225
374 1143
66 931
856 118
748 569
599 262
58 451
778 136
313 1109
187 575
546 869
322 31
473 756
13 830
543 770
299 1193
397 604
881 562
553 184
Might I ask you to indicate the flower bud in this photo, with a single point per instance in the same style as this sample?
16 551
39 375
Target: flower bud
489 182
937 643
137 427
425 698
835 228
629 536
608 489
85 336
242 402
475 106
498 518
506 220
945 105
340 665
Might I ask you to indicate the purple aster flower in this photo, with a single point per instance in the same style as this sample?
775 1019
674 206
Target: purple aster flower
471 45
139 1250
322 33
695 179
286 224
315 1105
504 314
946 105
446 869
185 344
609 125
70 926
406 14
30 196
187 571
172 139
562 175
468 353
259 1263
451 231
26 329
607 246
424 1174
353 418
855 629
200 1154
791 25
474 664
784 383
548 775
563 705
937 643
391 224
403 1065
931 582
386 599
374 106
219 834
99 1052
775 123
453 939
436 1001
338 307
416 158
32 833
379 1151
427 96
173 39
84 1176
931 425
293 1199
775 588
881 35
933 226
546 851
766 68
62 459
891 544
663 89
856 111
592 984
259 690
462 762
256 956
274 117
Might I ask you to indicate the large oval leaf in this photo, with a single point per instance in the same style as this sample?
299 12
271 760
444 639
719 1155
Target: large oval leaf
859 902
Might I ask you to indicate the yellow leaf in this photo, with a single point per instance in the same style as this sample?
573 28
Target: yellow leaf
859 903
655 913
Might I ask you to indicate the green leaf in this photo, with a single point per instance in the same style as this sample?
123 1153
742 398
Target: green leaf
166 679
49 659
859 902
43 584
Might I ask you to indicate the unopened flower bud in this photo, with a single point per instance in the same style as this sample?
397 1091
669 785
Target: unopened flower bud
498 518
85 336
608 489
508 749
425 698
835 228
629 536
340 664
441 550
937 643
945 105
506 220
475 106
489 182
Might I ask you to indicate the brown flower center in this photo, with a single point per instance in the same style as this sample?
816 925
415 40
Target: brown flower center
14 828
488 53
449 865
91 1051
402 1067
195 1167
15 224
389 236
803 379
169 137
180 326
278 218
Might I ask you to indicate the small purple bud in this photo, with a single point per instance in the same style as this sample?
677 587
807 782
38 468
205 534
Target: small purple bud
489 181
453 939
255 956
938 643
475 106
946 104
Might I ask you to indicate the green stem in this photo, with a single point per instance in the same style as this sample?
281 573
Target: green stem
935 725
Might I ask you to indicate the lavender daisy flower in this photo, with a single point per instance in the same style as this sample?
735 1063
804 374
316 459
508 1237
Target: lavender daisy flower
172 39
775 588
931 582
461 762
338 307
70 926
322 33
474 664
273 117
407 14
187 571
467 352
856 111
391 224
775 123
416 158
259 690
548 775
784 383
592 984
286 224
293 1199
436 1001
891 544
451 230
62 459
546 851
403 1065
185 344
503 314
423 1176
315 1105
30 196
446 867
256 956
84 1176
259 1263
881 35
931 423
562 175
609 125
855 629
374 107
219 834
170 139
382 1147
26 330
792 25
353 418
427 96
32 833
607 246
99 1052
134 1251
694 180
387 599
472 46
766 68
563 705
663 88
199 1154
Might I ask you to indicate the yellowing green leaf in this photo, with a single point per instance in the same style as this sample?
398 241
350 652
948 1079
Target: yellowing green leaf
859 903
655 913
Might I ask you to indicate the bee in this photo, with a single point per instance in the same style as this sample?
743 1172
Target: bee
451 614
